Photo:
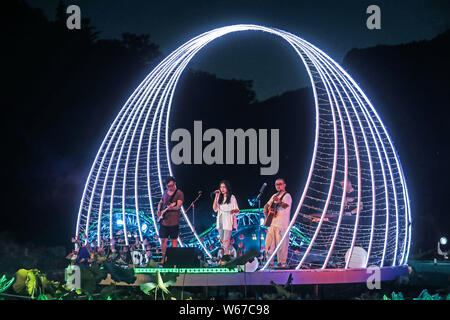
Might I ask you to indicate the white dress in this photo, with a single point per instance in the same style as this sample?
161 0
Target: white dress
225 219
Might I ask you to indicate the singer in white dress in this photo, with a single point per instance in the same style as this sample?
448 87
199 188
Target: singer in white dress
226 207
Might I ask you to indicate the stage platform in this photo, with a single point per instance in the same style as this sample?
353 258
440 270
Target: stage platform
265 277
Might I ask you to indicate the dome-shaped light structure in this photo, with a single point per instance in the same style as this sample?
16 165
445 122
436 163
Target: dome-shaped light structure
353 165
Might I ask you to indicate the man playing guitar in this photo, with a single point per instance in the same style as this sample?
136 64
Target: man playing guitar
169 215
278 213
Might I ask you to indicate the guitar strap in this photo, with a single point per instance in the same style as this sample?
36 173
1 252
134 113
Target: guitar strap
171 197
283 196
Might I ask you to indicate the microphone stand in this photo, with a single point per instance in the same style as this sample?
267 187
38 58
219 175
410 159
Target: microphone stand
193 208
259 216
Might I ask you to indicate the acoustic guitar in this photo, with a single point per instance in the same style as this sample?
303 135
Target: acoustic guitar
271 211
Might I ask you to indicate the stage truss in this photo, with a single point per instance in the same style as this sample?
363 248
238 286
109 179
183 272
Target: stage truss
354 165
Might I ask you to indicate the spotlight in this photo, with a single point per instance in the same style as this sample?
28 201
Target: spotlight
144 227
442 249
119 222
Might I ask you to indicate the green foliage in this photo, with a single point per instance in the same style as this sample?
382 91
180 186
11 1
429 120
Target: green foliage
108 292
5 283
90 277
26 282
119 274
158 283
424 295
282 291
148 287
397 296
87 281
34 283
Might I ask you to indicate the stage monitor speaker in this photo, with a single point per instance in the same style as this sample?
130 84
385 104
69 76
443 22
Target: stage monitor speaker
183 258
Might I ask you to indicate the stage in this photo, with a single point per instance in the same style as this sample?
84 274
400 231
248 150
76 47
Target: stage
264 278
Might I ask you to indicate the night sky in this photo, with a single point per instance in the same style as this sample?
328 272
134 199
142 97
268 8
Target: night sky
336 27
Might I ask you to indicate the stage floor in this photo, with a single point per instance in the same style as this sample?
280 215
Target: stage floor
263 278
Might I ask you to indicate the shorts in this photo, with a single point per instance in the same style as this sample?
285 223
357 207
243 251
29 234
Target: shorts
168 231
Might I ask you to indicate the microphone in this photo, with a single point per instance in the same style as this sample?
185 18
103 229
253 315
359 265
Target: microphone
261 190
263 187
212 194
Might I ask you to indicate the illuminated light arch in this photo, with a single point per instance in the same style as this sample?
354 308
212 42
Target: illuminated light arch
352 148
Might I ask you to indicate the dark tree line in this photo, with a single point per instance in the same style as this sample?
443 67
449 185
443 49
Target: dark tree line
409 86
63 89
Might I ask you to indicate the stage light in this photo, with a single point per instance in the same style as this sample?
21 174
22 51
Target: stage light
144 227
119 222
442 248
356 258
261 221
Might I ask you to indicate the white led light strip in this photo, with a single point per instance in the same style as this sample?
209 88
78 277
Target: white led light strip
348 129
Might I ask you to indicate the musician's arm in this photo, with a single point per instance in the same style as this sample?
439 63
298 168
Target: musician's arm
235 205
178 205
158 211
287 201
266 209
215 206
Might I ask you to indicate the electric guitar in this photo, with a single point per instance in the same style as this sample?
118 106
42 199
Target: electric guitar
161 213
